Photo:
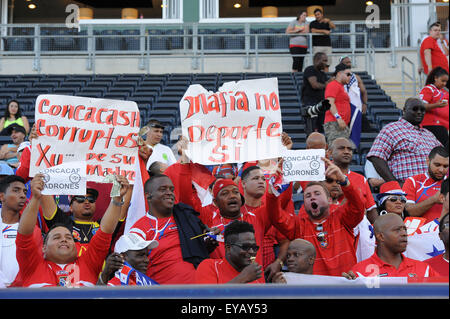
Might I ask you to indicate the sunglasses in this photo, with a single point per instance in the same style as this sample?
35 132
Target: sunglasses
330 180
397 198
82 199
247 247
348 74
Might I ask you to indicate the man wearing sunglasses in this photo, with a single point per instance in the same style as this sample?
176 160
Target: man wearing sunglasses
423 189
337 118
238 265
401 148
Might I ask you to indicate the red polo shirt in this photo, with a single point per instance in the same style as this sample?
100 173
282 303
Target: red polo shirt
410 268
421 187
218 271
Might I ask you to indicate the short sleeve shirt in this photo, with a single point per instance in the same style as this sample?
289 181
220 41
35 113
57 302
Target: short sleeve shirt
217 271
342 101
437 56
404 147
439 115
312 96
320 40
421 187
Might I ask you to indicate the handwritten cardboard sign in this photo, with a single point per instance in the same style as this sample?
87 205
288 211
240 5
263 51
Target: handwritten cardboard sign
241 122
65 179
304 165
101 132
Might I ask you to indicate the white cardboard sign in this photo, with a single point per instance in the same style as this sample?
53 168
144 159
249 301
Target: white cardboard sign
304 165
239 123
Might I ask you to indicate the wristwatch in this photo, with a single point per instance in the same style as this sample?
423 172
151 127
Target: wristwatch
118 203
344 183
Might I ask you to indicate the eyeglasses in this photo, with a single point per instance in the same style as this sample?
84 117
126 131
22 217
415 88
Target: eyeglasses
247 247
397 198
330 180
82 199
348 74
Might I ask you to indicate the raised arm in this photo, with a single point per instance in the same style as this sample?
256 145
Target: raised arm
29 215
112 214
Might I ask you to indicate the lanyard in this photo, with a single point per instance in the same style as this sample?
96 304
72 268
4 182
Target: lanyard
156 230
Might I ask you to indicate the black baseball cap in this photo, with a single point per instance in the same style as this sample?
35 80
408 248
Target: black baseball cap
16 127
155 123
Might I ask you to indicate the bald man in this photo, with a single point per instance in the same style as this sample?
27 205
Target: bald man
316 140
388 260
300 259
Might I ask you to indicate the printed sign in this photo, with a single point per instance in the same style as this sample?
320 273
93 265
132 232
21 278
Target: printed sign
241 122
65 179
304 165
101 132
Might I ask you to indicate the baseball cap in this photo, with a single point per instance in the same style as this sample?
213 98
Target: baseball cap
90 191
5 169
131 241
16 127
388 189
221 184
155 123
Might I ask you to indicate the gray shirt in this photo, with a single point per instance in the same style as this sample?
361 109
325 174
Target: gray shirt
300 40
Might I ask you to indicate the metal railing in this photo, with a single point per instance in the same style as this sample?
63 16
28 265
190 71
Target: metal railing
411 76
188 40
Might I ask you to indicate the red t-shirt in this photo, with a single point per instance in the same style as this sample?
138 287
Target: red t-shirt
437 56
218 271
421 187
38 272
439 115
338 255
166 264
374 266
341 100
439 264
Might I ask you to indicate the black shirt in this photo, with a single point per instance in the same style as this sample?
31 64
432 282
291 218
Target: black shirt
320 40
312 96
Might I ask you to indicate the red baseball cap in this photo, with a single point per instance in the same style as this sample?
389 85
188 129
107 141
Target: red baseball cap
221 184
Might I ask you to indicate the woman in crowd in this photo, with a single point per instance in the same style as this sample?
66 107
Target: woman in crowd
435 98
13 114
298 44
392 199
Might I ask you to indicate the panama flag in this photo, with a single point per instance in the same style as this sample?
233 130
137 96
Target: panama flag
355 125
138 205
423 239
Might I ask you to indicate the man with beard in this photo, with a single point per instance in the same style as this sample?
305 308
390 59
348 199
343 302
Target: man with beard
330 233
238 265
388 261
401 148
173 225
423 190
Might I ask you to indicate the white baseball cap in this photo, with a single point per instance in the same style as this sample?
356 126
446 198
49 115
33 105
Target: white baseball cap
133 241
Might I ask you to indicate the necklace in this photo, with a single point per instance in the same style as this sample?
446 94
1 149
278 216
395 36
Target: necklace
85 238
